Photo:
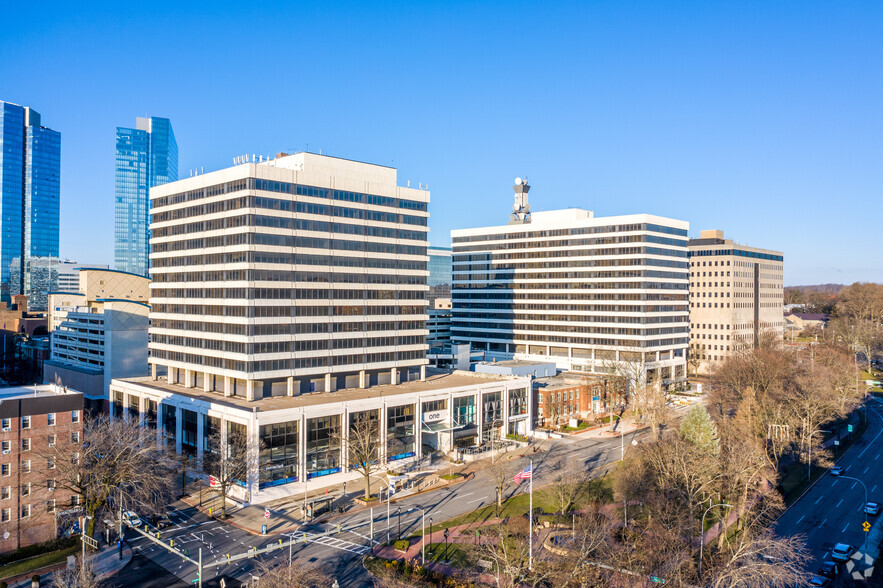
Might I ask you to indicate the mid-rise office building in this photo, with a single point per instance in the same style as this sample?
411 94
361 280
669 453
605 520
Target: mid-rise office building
592 294
32 420
440 273
146 156
68 274
30 185
305 273
736 296
99 332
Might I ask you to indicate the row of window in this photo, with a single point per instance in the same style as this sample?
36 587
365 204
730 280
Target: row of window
25 420
529 234
6 446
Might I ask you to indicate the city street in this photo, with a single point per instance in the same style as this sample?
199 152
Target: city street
832 510
340 555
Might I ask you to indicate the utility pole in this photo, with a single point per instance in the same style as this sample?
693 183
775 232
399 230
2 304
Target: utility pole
200 568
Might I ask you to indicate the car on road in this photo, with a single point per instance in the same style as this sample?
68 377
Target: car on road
828 569
872 508
161 521
842 552
819 581
131 518
836 471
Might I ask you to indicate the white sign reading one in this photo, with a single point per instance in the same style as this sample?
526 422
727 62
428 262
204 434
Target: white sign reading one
435 416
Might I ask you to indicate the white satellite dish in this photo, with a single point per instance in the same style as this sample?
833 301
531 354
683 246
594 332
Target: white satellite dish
518 181
6 535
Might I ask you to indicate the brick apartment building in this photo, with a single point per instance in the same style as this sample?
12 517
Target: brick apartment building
31 419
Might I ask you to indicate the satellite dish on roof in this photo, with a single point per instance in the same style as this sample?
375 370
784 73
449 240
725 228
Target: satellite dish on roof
518 181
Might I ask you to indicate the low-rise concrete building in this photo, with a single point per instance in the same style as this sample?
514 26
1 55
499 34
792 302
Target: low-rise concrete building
99 333
518 367
300 439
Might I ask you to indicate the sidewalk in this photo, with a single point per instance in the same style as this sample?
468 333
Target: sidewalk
105 563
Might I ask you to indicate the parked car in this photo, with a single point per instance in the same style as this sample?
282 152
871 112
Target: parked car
872 508
842 552
131 518
161 521
819 581
836 471
828 569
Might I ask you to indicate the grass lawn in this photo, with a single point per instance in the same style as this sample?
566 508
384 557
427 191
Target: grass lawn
457 555
597 490
35 563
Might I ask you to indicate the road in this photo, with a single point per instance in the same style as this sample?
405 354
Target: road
832 510
341 554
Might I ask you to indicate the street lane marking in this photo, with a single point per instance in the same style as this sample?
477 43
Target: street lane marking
798 520
872 441
844 528
823 523
866 470
476 500
819 499
853 486
874 488
839 503
877 457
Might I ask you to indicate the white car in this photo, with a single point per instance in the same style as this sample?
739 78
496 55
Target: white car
131 518
872 508
842 552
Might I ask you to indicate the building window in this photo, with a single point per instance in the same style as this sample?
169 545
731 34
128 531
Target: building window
279 454
169 421
75 458
323 447
50 439
5 515
25 444
75 416
26 466
189 420
50 506
25 511
400 431
74 500
6 446
4 469
518 401
5 493
50 419
6 424
50 464
51 485
75 436
26 489
25 422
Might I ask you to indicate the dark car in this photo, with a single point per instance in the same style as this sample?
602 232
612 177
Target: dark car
828 569
819 581
836 471
161 521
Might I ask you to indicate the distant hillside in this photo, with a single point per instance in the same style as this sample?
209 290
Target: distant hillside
829 289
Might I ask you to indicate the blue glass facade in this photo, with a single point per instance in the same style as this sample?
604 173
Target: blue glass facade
146 156
30 187
440 272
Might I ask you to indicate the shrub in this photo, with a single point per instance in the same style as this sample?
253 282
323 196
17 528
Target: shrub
39 549
402 544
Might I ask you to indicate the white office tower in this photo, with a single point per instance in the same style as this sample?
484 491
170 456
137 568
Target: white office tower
592 294
303 273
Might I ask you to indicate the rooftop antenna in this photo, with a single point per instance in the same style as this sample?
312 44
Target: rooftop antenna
521 209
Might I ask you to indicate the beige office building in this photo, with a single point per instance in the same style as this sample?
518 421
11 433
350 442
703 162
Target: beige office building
736 294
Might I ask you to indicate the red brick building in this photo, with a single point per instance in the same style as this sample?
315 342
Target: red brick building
33 418
572 396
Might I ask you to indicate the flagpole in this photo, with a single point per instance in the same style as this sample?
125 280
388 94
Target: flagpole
530 523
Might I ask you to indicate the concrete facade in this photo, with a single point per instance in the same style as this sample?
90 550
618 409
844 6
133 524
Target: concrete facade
99 332
293 435
736 296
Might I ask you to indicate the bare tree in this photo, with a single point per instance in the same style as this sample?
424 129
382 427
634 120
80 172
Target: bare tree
508 554
565 488
361 445
859 313
501 473
228 461
759 562
647 398
82 576
276 574
120 460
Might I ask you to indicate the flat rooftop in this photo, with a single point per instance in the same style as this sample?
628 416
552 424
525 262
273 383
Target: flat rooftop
565 380
435 380
517 363
38 391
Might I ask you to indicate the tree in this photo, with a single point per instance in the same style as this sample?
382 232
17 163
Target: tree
276 574
859 313
362 445
759 562
120 460
229 460
508 554
501 473
82 576
698 429
647 398
565 489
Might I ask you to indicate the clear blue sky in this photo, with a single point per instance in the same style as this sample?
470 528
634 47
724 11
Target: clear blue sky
762 118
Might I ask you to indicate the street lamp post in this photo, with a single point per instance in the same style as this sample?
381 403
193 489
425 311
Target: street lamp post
863 507
399 516
423 536
430 532
702 532
809 452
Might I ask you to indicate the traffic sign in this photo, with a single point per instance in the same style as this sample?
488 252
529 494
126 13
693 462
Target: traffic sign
849 428
866 526
266 513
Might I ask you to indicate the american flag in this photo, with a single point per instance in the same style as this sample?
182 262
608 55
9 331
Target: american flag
522 475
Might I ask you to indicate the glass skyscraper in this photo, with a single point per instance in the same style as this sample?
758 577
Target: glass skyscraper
146 156
30 186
